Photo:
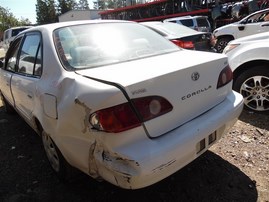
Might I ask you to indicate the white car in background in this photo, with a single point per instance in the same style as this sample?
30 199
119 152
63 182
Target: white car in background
117 100
10 34
254 23
249 60
198 23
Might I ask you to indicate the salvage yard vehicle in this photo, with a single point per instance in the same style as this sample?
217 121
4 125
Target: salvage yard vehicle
129 106
198 23
249 60
10 34
183 36
254 23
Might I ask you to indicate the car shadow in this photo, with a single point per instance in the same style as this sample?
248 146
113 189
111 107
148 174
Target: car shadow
26 176
255 119
208 178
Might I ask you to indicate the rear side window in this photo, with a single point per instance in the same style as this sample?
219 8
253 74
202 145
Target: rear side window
188 23
30 56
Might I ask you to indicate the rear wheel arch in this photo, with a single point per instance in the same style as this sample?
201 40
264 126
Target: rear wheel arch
63 170
248 65
38 126
252 80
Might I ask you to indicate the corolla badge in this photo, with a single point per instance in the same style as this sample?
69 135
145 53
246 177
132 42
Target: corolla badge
195 76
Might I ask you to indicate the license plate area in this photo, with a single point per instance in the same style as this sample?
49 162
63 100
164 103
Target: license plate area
206 142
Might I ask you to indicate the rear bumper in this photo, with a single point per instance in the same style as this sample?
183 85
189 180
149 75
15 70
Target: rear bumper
146 162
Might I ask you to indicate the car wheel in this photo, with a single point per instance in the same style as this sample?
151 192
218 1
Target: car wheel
56 160
221 44
253 85
8 108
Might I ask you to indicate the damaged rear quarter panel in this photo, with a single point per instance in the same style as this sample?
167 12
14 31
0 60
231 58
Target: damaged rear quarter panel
77 98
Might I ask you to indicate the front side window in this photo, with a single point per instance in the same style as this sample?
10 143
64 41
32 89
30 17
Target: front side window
94 45
259 17
30 56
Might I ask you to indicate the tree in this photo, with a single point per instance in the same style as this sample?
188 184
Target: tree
46 12
108 4
7 20
82 5
25 21
65 6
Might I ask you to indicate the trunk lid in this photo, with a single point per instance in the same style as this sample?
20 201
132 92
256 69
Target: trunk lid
187 79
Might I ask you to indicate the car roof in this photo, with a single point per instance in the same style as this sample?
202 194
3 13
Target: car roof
57 25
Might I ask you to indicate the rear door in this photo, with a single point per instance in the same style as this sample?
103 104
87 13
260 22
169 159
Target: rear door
28 71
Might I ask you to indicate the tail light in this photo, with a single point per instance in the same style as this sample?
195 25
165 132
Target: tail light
184 44
122 117
226 75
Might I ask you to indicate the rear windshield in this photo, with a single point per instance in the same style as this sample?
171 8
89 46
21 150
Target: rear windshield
202 22
93 45
15 32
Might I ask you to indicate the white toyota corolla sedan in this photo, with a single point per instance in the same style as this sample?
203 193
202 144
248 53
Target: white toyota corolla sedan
117 100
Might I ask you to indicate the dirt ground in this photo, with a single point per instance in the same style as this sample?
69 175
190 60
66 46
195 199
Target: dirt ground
234 169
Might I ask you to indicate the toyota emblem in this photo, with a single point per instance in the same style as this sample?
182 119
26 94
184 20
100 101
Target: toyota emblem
195 76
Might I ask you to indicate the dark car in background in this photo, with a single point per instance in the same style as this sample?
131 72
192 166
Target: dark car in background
183 36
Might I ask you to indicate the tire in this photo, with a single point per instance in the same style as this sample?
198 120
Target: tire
253 85
8 108
222 43
55 157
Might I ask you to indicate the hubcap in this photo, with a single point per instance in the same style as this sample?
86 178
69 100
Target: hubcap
255 91
221 45
51 152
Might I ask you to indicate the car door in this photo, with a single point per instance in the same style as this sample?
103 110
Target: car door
27 74
255 24
8 71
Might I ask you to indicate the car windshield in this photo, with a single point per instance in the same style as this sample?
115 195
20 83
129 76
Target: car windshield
94 45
